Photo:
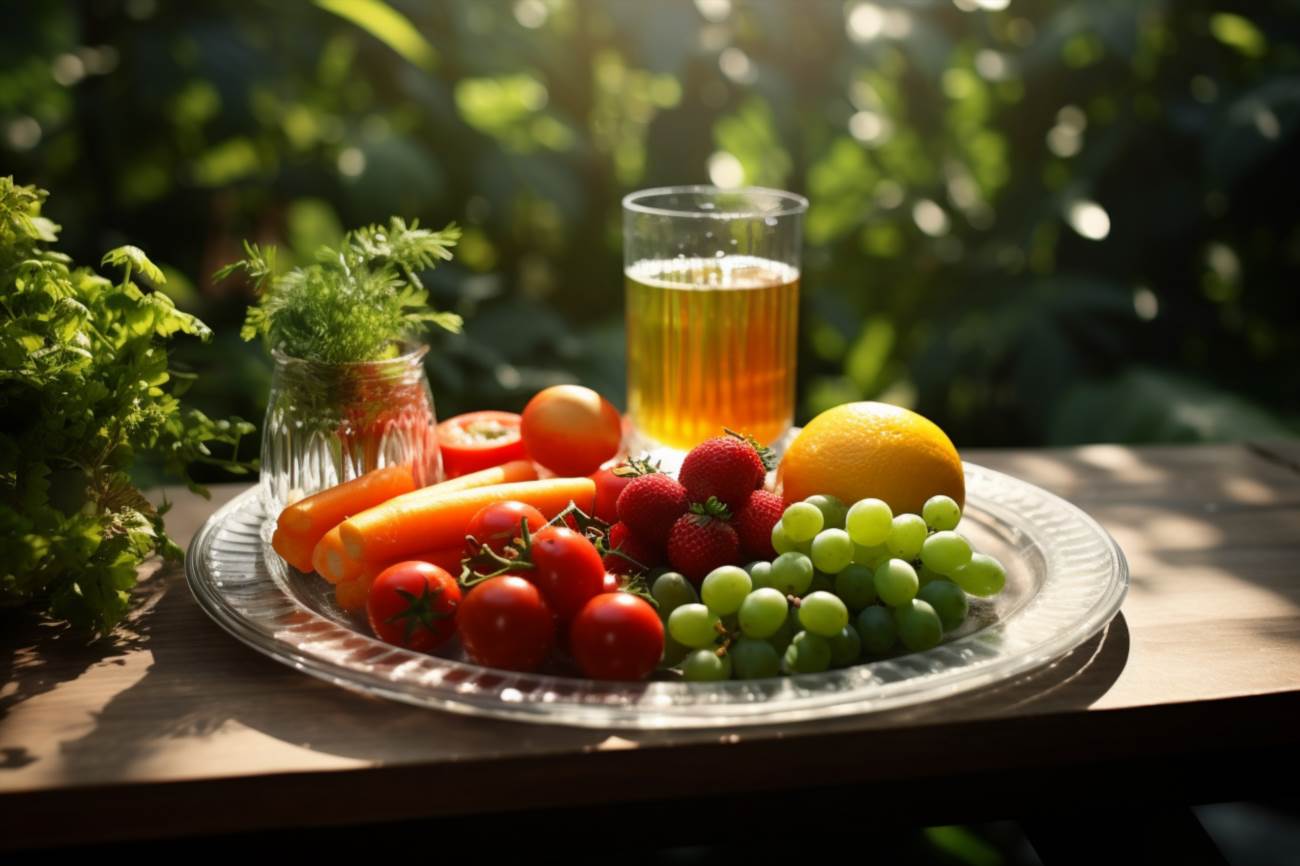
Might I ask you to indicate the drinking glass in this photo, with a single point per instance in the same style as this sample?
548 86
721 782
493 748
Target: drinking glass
712 282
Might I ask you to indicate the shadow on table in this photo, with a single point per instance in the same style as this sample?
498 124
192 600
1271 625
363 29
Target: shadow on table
199 679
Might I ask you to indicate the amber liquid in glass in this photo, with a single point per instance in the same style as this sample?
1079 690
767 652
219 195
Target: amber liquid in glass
711 344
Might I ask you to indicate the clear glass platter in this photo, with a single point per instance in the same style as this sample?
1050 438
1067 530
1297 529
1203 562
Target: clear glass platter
1066 579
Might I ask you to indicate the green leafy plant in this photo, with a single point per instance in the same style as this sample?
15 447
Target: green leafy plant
85 391
357 302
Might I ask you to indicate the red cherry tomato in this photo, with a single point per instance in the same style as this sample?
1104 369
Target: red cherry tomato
617 636
567 568
505 623
413 604
498 523
571 430
612 583
608 487
479 440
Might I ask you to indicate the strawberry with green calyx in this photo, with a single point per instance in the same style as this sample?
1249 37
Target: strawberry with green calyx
650 505
611 481
729 467
702 539
754 522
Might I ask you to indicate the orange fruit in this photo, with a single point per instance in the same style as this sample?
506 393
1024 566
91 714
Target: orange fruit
857 450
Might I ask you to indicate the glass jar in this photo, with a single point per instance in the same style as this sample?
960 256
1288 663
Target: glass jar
330 423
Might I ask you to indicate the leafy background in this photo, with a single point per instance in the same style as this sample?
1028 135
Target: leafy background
1036 222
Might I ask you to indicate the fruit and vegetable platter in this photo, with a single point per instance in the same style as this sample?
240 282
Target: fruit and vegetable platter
553 575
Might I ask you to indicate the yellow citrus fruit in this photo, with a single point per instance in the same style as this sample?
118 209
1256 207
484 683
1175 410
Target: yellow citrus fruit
857 450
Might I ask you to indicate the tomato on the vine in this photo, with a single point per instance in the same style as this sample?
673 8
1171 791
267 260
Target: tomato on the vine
413 604
617 636
567 568
506 623
479 440
499 523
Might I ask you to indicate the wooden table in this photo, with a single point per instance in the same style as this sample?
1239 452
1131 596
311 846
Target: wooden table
1192 693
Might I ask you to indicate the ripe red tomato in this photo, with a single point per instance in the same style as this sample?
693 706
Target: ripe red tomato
567 568
617 636
413 604
498 523
505 623
612 583
571 430
608 487
479 440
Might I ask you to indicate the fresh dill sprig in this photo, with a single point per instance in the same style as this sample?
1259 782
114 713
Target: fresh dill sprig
358 302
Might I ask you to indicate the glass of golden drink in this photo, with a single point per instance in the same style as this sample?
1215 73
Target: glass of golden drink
712 278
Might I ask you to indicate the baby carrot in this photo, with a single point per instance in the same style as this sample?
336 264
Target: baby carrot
417 521
292 549
312 517
331 561
351 594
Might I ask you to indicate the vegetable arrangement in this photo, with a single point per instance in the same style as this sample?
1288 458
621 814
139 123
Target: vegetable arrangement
629 570
86 392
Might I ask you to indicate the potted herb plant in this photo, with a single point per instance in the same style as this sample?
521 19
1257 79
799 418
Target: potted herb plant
349 393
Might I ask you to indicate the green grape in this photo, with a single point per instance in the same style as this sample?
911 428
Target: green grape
802 521
672 590
869 522
784 635
947 599
846 647
906 536
919 627
945 552
877 630
870 556
792 573
896 582
783 543
763 612
725 588
982 576
832 550
693 625
706 666
674 652
760 573
941 513
807 654
754 659
832 509
856 586
823 614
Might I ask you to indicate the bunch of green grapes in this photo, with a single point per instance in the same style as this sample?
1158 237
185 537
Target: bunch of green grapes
848 584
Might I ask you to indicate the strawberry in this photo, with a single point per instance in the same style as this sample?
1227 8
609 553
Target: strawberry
702 540
650 504
627 543
729 467
754 524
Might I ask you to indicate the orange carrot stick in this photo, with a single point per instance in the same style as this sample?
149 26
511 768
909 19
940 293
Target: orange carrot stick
352 594
312 517
417 521
331 561
515 470
292 549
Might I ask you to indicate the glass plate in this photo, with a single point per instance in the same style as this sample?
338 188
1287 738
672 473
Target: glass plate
1066 578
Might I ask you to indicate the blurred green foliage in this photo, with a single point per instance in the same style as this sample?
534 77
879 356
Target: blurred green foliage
1036 222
